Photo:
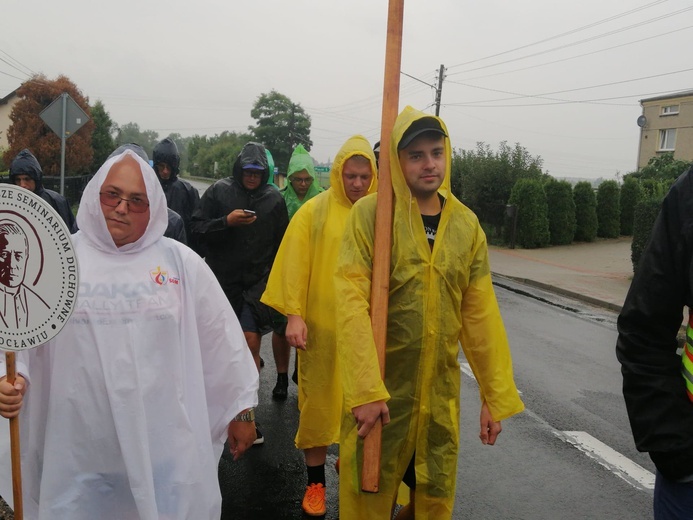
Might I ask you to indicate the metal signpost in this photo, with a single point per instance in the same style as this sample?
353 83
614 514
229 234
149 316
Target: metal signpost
64 116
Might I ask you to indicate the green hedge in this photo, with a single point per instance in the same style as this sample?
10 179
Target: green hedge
609 210
559 197
646 211
585 212
630 194
533 219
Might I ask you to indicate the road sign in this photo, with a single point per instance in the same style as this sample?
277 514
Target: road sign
322 169
75 117
64 117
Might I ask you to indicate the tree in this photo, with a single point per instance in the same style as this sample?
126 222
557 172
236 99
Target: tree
608 210
102 140
533 213
281 126
483 179
131 133
214 156
585 212
662 167
559 196
28 130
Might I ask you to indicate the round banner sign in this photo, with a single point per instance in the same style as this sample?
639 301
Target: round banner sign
38 270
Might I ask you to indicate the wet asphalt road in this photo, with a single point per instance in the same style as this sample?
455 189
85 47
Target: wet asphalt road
565 368
569 379
269 481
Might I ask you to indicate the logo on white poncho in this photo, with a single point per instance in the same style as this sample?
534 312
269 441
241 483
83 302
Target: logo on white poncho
162 278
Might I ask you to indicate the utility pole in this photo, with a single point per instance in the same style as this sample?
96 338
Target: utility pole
439 90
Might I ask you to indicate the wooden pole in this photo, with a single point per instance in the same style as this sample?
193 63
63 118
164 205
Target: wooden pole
15 455
380 284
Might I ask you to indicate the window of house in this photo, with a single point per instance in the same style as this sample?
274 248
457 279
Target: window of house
669 110
667 139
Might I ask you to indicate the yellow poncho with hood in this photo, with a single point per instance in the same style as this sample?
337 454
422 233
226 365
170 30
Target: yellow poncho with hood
302 283
437 299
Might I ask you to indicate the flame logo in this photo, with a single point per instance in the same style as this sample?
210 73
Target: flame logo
160 277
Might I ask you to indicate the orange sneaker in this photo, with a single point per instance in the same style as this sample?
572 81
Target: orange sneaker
314 500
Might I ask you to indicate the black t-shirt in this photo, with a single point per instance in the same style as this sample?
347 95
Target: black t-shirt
431 223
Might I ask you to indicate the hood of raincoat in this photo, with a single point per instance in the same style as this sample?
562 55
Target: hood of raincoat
255 154
403 196
355 145
300 161
167 152
90 218
26 164
270 167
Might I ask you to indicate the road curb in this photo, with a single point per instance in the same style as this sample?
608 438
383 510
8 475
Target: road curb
563 292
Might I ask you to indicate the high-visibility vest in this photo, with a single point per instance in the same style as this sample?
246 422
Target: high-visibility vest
687 358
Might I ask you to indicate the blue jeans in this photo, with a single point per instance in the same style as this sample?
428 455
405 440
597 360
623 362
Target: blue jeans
672 500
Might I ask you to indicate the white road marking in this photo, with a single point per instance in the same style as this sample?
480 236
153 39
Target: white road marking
618 464
633 473
467 370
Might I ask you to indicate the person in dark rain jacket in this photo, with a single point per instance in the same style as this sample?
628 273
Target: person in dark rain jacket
25 171
657 378
241 222
181 197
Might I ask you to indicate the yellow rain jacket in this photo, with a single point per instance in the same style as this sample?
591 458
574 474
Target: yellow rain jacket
437 299
302 283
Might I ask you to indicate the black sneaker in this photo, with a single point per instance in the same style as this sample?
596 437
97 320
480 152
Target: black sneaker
260 438
281 389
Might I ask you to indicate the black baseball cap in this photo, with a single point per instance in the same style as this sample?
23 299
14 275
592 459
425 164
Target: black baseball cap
418 127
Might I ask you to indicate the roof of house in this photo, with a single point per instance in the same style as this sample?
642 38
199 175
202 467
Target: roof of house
683 93
6 99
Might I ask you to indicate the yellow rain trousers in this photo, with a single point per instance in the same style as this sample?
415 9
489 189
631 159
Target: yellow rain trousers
302 283
437 299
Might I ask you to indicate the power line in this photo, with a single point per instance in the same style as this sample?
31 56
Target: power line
11 76
668 33
31 72
592 38
542 95
572 31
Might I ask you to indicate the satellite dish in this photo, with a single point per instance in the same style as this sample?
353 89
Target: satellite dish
642 121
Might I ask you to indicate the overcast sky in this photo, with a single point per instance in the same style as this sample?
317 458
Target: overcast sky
563 79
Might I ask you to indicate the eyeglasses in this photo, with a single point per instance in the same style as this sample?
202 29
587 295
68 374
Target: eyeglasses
253 173
113 200
297 180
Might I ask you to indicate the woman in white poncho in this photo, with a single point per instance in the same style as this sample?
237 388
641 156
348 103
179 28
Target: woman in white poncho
127 409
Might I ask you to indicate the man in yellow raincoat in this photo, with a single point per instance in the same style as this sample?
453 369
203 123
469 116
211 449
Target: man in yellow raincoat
301 188
301 287
440 294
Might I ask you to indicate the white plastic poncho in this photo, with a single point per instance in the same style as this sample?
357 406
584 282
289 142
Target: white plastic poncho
126 411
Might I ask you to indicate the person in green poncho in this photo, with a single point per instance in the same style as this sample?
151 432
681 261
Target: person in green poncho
300 189
301 176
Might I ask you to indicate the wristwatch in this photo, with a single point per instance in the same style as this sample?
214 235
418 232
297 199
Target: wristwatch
245 416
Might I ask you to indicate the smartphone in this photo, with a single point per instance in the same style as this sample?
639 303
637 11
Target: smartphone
248 212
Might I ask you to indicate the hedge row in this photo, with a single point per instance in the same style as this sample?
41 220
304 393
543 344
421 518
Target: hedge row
553 212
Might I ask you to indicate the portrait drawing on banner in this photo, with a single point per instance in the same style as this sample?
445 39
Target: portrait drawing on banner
20 305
